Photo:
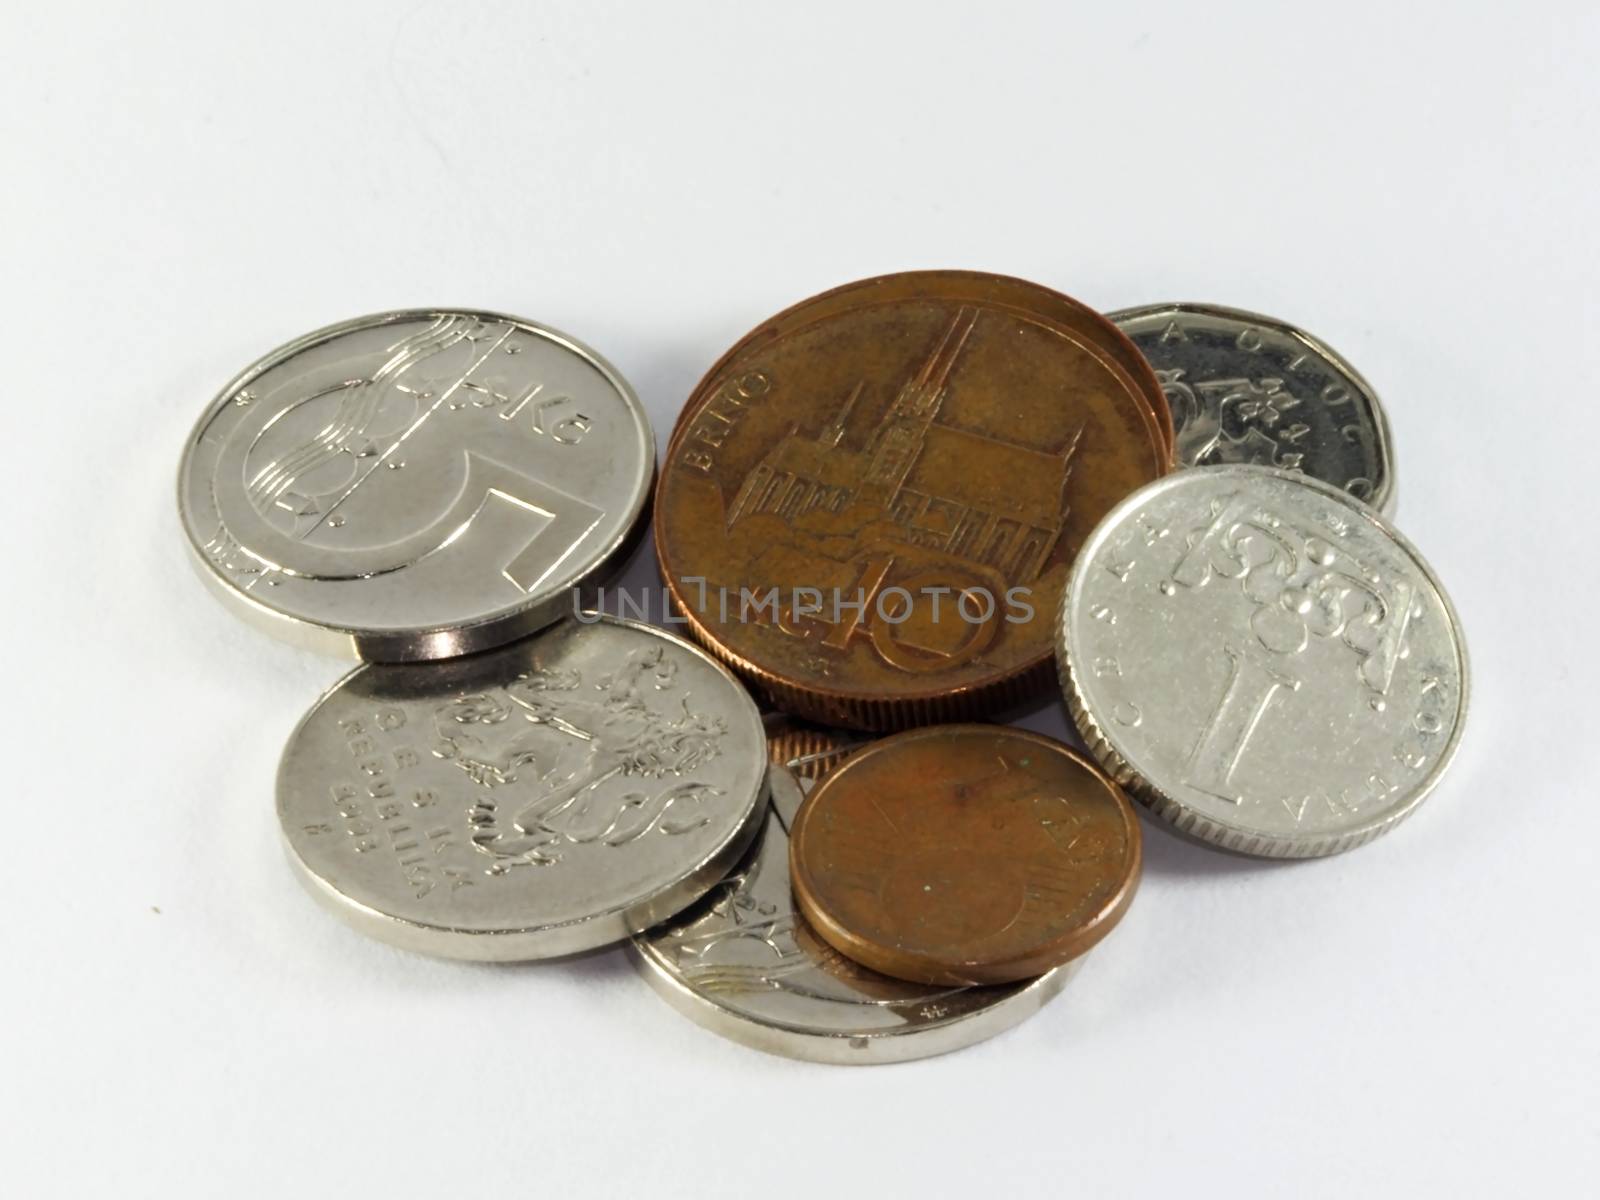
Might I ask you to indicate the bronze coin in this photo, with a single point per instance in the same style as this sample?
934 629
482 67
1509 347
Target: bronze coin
871 503
964 854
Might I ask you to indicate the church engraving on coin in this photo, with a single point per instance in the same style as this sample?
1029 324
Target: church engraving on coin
865 511
412 473
1266 663
537 799
907 476
962 540
1250 389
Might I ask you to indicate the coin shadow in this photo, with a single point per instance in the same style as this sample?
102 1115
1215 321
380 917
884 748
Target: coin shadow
1172 853
591 966
1044 713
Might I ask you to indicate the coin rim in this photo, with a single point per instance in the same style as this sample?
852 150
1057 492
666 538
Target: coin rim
867 1048
1007 1007
1386 498
526 943
1190 821
931 968
1132 359
447 639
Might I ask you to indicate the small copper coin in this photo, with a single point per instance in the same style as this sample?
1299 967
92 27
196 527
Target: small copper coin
964 854
870 504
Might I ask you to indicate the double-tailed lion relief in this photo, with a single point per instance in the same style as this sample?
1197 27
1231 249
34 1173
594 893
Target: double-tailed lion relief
561 763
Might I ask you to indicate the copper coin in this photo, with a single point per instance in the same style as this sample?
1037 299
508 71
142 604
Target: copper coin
808 751
1000 290
964 854
871 502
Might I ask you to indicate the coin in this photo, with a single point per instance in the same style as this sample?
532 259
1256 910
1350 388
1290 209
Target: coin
870 504
415 485
1245 388
540 799
966 854
745 964
1263 661
808 751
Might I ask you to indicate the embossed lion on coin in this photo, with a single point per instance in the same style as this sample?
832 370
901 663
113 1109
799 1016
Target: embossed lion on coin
572 743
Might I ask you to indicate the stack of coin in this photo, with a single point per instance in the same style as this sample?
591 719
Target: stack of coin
747 963
1250 647
868 506
907 501
417 485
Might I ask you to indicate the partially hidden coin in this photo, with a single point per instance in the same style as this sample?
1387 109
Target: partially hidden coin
745 964
1244 388
416 485
870 503
1263 661
968 854
540 799
806 750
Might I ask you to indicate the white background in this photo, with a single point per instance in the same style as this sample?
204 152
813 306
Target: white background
185 186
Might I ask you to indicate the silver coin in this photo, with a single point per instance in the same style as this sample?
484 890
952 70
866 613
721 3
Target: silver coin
415 485
540 799
1250 389
743 964
1262 660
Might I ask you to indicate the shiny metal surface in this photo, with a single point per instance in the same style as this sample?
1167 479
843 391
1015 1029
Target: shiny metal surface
744 964
415 485
1263 661
1245 388
540 799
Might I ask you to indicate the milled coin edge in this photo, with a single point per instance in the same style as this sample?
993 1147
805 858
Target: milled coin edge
863 1048
863 713
1185 819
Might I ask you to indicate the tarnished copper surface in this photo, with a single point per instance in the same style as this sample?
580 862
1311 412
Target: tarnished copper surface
964 854
934 430
996 290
